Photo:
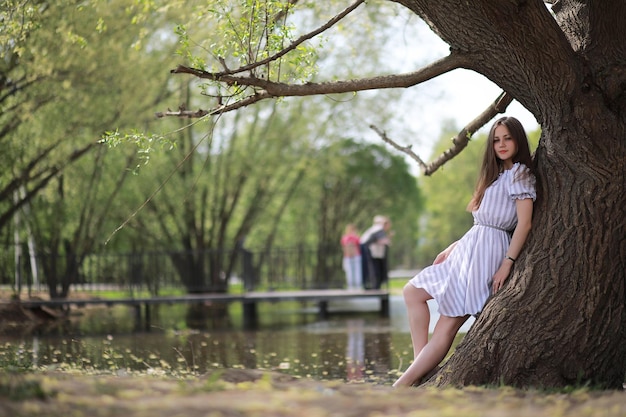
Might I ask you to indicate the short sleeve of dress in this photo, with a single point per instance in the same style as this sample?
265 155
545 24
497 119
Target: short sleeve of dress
523 183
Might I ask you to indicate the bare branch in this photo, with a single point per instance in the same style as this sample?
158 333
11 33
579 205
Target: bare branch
283 13
406 149
241 103
460 141
191 114
218 110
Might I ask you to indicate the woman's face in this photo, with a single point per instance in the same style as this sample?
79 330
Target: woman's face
504 145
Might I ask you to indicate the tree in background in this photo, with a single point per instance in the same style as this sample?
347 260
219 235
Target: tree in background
219 183
32 60
270 180
566 66
350 182
69 74
241 178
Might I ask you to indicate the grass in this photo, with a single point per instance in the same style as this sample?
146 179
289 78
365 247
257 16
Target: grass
17 386
395 285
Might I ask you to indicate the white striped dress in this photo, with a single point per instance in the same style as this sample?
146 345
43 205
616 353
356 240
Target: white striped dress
462 283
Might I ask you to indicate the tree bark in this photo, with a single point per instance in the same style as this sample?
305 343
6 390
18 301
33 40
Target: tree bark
560 320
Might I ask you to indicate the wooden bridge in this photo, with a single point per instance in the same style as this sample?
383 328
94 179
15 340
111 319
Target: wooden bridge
249 300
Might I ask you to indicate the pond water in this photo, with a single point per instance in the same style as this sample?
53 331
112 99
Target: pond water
291 338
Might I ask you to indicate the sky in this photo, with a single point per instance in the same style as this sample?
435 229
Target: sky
460 95
422 111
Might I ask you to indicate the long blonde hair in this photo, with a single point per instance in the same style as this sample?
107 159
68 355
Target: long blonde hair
492 166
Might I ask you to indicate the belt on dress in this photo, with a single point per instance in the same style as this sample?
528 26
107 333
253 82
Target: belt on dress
492 226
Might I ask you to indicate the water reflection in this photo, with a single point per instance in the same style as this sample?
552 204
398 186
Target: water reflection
355 350
358 347
208 316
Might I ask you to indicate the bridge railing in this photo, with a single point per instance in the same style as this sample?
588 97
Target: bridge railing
162 272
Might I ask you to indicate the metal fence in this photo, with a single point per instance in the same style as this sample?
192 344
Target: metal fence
189 271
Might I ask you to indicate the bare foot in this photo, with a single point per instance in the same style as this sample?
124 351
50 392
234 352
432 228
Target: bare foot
426 377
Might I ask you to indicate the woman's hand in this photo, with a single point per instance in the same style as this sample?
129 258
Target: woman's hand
501 275
444 255
524 219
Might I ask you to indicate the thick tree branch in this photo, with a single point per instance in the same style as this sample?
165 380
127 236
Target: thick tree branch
459 142
268 89
278 89
510 43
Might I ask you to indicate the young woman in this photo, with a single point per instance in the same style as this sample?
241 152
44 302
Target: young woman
466 273
352 258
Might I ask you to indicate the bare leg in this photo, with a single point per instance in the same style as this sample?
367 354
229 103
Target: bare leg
419 316
434 351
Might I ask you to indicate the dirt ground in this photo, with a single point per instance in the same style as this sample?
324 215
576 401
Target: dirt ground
239 392
14 319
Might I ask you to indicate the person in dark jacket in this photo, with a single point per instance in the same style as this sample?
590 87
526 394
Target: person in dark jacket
374 250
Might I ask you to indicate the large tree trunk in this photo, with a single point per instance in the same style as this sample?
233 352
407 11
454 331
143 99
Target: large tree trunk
560 319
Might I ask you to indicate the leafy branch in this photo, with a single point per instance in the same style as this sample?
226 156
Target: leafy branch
249 88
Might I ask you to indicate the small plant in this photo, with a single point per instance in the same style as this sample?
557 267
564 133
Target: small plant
15 358
19 387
